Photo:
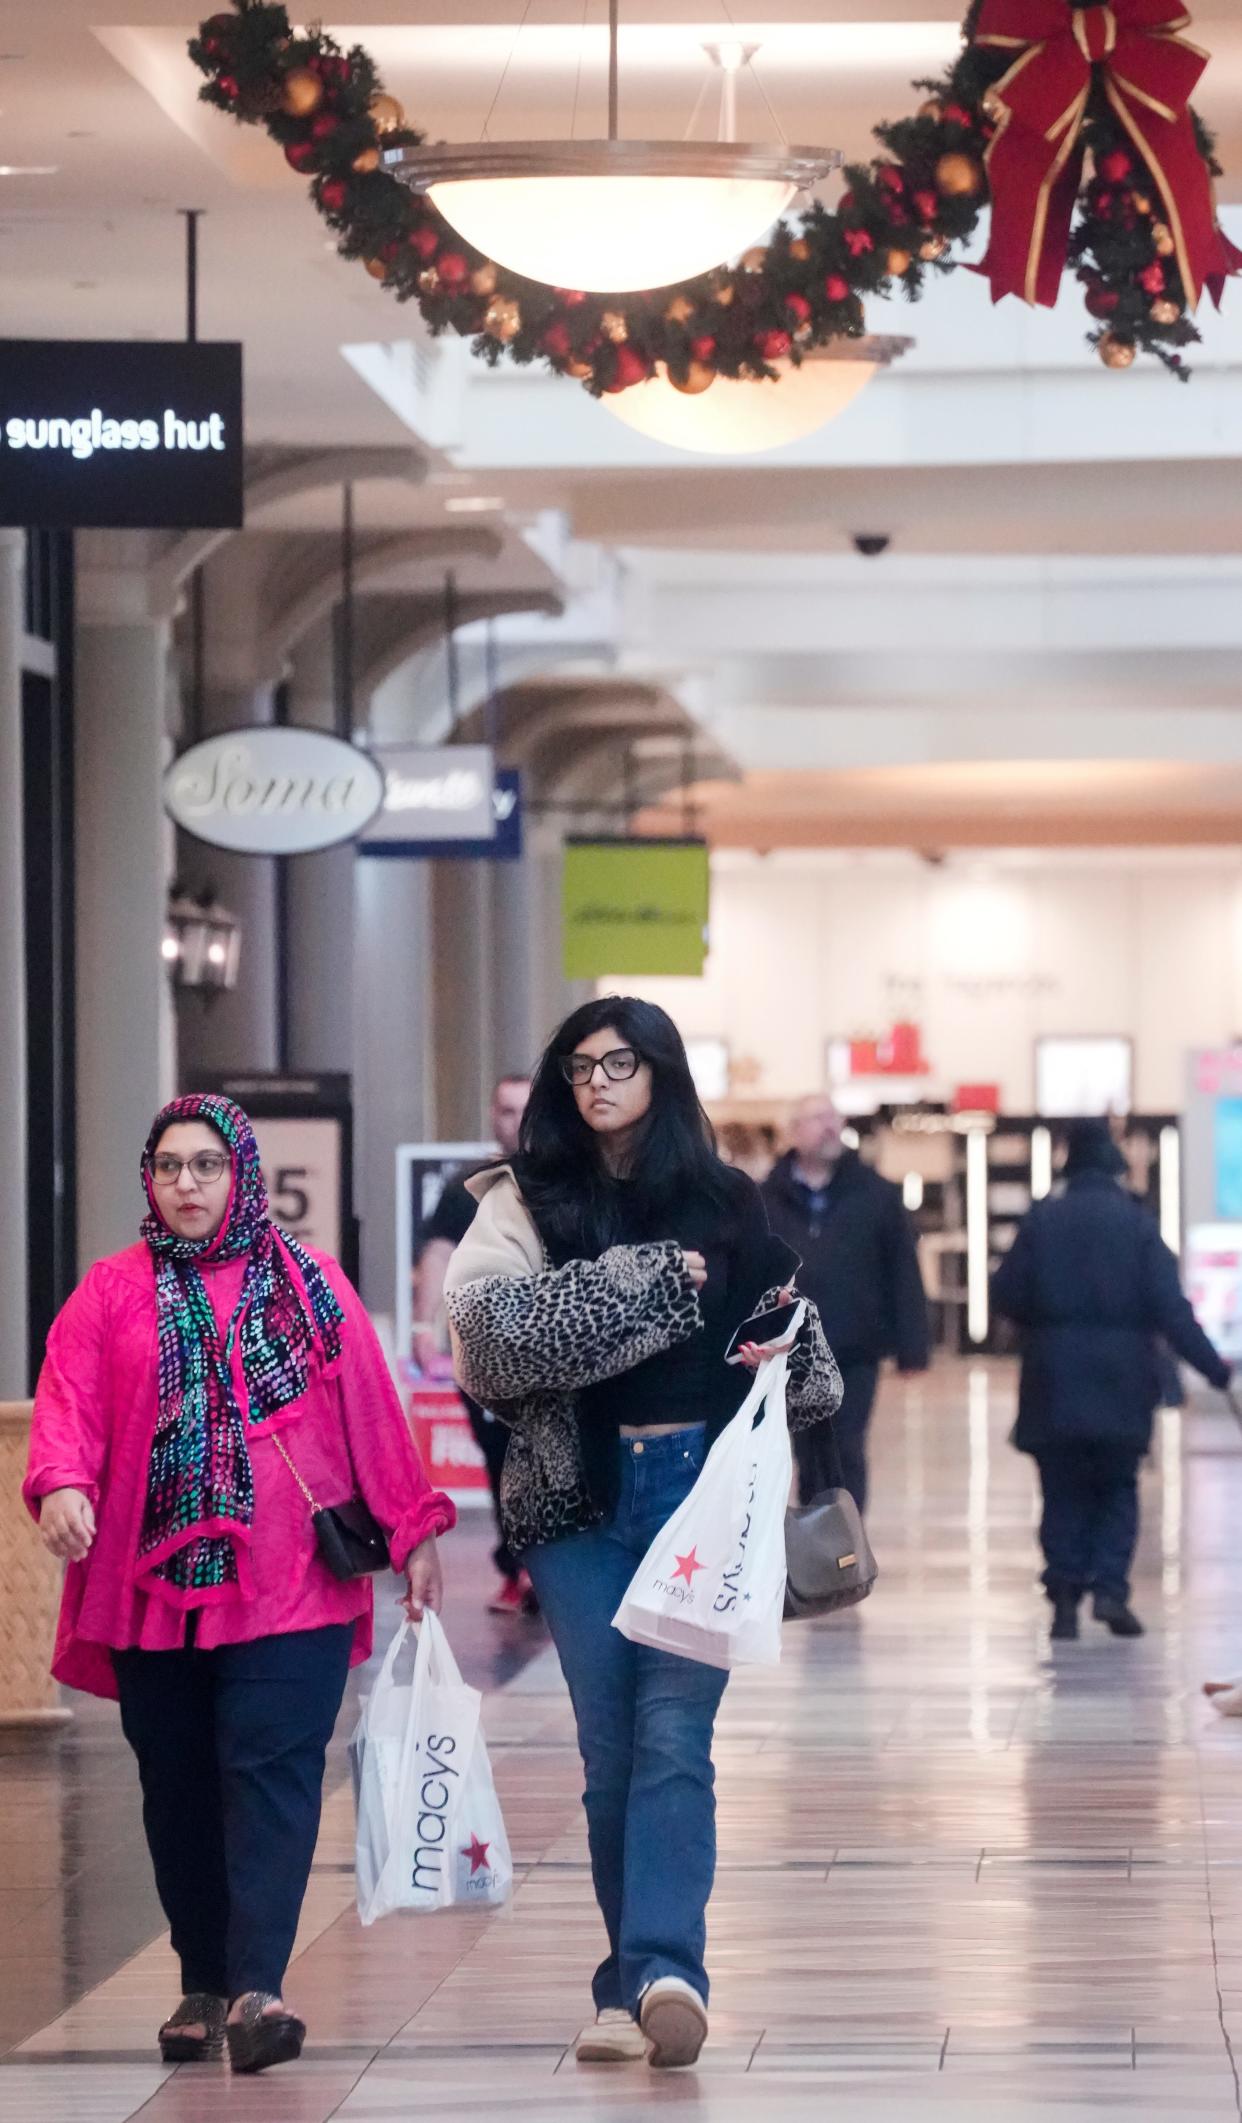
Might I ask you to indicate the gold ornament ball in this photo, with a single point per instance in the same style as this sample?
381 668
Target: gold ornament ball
1165 312
933 247
1140 202
679 311
580 369
483 279
377 268
613 326
1162 239
754 260
1116 353
367 161
800 249
698 377
301 93
387 113
724 294
429 281
958 176
503 319
931 109
898 263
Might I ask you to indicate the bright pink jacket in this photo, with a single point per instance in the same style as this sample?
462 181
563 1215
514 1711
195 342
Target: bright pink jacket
94 1419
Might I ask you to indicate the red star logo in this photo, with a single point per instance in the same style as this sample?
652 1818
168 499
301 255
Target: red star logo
476 1852
687 1565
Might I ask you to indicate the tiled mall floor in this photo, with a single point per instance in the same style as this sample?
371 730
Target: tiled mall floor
961 1877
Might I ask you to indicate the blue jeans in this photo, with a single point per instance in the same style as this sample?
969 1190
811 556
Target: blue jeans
645 1723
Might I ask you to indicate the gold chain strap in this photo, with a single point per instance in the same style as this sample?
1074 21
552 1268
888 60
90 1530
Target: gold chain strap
294 1472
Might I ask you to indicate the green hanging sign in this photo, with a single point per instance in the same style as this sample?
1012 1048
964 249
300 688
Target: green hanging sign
635 906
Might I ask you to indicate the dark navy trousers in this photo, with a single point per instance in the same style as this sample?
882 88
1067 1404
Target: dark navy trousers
230 1746
1091 1517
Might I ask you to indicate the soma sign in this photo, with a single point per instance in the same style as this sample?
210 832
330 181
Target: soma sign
271 790
121 434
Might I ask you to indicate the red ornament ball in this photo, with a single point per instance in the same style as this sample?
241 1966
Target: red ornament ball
1116 166
1101 302
301 156
425 241
1151 279
798 307
703 348
219 25
333 193
572 297
453 269
556 341
858 242
926 205
229 87
837 288
957 114
890 178
323 127
628 367
773 346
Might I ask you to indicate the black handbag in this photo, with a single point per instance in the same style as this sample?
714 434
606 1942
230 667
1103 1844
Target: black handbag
828 1557
351 1540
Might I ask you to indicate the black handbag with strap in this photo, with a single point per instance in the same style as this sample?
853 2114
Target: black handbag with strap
828 1557
351 1540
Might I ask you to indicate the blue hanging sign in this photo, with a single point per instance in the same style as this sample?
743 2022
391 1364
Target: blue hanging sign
505 846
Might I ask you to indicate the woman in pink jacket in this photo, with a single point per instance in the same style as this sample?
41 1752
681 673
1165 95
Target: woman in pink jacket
196 1387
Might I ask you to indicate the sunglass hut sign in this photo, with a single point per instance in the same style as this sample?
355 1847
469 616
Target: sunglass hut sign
107 433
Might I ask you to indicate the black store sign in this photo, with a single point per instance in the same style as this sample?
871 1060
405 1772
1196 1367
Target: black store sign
118 434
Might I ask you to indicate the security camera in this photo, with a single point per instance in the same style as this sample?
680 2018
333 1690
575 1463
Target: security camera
871 543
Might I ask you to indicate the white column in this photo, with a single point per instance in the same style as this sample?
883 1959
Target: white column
464 997
122 883
320 896
13 1280
392 1051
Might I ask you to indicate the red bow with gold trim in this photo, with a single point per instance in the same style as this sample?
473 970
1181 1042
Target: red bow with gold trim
1035 157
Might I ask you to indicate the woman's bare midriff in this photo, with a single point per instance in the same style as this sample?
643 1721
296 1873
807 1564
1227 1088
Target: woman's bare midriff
632 1430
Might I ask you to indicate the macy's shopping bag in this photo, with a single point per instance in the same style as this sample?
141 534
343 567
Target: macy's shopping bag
430 1833
712 1584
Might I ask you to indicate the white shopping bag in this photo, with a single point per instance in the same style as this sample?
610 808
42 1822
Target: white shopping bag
712 1584
430 1832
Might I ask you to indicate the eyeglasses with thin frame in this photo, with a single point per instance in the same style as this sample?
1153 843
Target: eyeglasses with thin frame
618 1065
205 1165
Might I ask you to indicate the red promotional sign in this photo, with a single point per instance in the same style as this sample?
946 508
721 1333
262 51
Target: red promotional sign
446 1443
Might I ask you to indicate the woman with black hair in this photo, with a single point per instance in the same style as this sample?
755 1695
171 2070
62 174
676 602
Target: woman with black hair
591 1304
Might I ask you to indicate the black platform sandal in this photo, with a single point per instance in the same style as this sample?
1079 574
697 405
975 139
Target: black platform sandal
261 2038
199 2008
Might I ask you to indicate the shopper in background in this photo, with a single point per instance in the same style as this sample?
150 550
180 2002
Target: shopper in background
1091 1284
445 1228
593 1301
860 1265
185 1380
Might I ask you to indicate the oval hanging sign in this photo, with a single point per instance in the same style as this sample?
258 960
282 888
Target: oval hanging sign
273 790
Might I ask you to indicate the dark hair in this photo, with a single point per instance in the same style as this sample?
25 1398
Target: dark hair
573 1198
193 1120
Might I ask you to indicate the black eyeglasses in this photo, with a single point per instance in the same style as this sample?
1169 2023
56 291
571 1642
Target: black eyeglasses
205 1165
618 1065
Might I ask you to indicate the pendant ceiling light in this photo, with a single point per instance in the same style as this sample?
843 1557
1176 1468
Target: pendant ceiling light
610 216
738 418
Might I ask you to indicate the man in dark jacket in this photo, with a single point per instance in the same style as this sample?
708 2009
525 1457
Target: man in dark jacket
1092 1285
861 1267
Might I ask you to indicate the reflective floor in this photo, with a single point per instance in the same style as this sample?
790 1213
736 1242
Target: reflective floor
962 1876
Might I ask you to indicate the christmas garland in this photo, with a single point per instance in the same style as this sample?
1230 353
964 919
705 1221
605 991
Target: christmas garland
898 220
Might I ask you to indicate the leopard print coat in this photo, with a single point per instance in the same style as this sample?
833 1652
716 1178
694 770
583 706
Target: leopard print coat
528 1338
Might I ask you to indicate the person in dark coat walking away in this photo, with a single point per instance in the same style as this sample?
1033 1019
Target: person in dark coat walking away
860 1265
1091 1283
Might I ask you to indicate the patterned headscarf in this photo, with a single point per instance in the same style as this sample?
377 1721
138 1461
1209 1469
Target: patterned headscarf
213 1389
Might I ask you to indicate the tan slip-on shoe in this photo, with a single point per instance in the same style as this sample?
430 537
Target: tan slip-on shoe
673 2017
615 2038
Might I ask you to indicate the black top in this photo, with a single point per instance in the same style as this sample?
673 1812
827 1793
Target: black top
859 1260
691 1383
1092 1284
453 1213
